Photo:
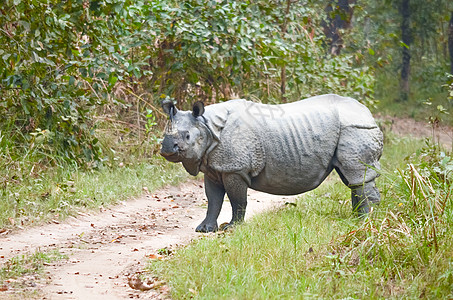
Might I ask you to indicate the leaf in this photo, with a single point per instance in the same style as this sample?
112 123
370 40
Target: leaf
71 80
402 44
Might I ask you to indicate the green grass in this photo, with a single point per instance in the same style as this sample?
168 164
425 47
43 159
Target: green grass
319 250
32 193
28 264
20 275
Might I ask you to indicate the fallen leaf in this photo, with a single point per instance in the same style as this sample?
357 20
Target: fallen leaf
137 284
3 288
116 239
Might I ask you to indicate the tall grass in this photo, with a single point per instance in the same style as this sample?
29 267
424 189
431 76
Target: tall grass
317 249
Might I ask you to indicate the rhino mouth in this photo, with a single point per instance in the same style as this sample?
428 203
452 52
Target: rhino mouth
173 157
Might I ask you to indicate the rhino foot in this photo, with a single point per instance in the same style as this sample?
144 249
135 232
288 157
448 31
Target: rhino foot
207 227
364 197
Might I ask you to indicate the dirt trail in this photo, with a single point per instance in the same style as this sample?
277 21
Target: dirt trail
409 127
105 248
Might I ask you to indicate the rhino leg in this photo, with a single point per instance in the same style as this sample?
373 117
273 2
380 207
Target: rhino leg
215 193
357 162
236 189
364 196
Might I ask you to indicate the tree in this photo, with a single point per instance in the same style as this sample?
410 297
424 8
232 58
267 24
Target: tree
450 42
339 16
406 38
59 62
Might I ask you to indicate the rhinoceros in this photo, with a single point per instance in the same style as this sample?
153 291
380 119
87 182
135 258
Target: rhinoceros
284 149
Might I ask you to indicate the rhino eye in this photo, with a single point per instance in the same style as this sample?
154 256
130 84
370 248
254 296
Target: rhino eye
187 136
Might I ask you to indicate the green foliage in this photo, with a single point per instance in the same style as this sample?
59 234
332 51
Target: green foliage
59 63
218 49
377 27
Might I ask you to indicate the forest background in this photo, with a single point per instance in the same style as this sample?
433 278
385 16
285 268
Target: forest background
81 81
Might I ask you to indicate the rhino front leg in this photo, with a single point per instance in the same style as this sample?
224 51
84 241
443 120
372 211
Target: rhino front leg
236 189
215 193
363 196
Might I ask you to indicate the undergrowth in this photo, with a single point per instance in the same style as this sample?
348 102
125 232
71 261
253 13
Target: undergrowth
317 249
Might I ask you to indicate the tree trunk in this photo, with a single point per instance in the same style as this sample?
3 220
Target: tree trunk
450 42
339 15
283 72
406 39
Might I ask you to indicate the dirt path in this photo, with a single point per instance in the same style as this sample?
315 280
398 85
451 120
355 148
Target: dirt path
409 127
106 248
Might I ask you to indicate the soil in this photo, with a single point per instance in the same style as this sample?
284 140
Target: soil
106 250
438 133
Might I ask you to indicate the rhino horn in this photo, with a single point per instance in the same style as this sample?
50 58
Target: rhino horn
169 108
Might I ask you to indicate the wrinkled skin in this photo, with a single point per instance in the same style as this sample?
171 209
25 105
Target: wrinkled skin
282 149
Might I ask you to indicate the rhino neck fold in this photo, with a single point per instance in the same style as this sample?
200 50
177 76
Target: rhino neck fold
193 166
212 142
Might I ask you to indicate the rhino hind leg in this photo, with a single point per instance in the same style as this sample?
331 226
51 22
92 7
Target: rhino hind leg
357 162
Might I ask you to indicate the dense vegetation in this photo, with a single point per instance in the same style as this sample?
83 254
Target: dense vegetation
68 69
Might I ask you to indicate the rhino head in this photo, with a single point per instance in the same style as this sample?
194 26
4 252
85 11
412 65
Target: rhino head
187 136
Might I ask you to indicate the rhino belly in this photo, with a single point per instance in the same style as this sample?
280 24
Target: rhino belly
288 180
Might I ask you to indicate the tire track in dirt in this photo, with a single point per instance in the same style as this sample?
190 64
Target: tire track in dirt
105 248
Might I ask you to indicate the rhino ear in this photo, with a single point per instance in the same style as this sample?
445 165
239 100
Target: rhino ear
198 109
169 107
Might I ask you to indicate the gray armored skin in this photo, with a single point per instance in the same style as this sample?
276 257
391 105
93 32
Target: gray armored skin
284 149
